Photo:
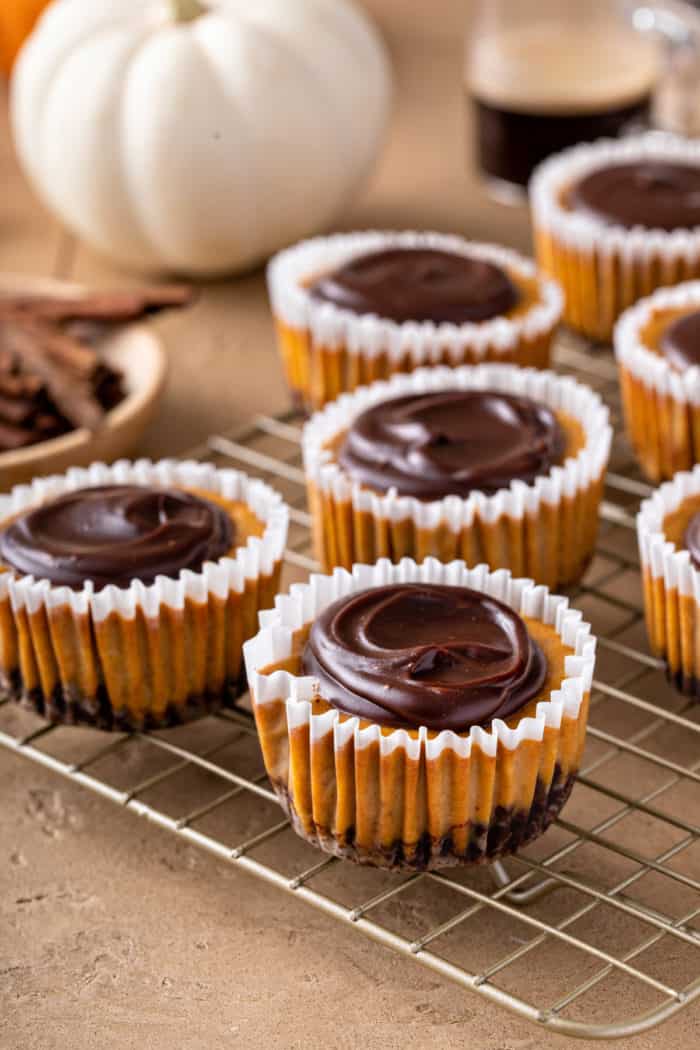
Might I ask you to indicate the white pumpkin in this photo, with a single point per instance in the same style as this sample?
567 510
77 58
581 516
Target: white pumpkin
199 135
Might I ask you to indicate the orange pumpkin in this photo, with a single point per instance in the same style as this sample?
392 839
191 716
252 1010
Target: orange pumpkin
17 18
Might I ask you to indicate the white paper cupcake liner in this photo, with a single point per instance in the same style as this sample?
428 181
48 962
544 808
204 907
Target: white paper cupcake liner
661 404
605 268
319 763
327 327
141 654
506 529
671 584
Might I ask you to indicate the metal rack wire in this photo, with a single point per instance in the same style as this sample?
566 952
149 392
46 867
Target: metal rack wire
606 904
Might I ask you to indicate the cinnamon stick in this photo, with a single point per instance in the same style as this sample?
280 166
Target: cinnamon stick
18 385
73 396
61 346
12 437
52 377
115 307
16 409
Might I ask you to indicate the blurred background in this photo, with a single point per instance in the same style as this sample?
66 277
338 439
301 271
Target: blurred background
423 180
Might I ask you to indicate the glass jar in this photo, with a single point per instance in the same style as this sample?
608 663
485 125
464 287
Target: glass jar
542 75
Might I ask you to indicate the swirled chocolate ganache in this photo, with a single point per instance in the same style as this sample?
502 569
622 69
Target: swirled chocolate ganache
451 442
680 343
114 534
419 284
654 194
424 655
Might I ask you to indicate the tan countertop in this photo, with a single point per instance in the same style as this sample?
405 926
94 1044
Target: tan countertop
112 933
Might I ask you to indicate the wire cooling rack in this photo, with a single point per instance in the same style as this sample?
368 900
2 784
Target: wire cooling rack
604 908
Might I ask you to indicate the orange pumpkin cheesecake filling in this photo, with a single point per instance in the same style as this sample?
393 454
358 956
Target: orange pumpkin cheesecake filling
126 603
615 220
355 308
657 346
493 464
409 725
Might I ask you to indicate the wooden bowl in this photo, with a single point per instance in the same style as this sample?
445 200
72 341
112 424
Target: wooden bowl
138 354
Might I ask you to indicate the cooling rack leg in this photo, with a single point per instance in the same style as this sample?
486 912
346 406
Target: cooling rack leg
523 895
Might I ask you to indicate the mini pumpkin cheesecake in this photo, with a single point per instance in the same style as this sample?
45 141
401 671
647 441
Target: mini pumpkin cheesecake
492 463
657 346
614 220
126 592
420 716
668 527
353 308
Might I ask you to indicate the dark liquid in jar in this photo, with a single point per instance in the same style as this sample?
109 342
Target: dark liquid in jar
510 144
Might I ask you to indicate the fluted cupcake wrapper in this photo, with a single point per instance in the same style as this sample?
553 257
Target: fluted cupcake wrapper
603 268
661 404
146 655
396 798
546 530
328 351
671 584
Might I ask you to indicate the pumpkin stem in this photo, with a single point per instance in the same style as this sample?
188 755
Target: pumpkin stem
187 10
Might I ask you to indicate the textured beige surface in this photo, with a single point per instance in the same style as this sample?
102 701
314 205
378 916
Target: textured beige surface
113 934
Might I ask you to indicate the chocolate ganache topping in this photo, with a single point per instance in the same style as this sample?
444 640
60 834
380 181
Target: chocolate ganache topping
424 655
114 534
451 442
419 284
680 343
658 195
